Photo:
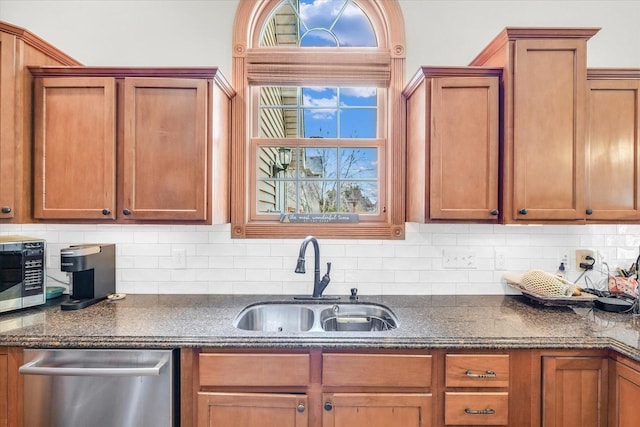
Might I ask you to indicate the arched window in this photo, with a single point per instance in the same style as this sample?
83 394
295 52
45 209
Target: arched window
317 123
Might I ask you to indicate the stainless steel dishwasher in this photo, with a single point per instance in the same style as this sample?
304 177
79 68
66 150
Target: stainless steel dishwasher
84 388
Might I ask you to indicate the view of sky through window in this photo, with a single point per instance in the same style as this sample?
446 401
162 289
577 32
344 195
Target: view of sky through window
328 173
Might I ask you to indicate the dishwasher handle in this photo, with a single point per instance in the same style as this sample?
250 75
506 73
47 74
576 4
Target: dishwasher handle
35 367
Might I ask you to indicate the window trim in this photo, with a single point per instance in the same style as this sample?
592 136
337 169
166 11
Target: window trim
383 67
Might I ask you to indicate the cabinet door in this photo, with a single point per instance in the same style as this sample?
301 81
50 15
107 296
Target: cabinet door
10 387
4 388
548 128
75 148
624 395
252 410
574 392
376 410
166 149
464 148
8 148
613 160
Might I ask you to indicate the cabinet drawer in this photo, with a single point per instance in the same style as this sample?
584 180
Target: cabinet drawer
376 370
477 370
476 409
238 369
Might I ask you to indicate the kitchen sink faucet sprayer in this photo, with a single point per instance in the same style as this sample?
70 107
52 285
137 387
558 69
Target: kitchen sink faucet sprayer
318 285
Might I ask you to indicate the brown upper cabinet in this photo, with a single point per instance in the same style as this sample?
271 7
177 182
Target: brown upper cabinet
613 144
123 144
19 48
452 144
544 122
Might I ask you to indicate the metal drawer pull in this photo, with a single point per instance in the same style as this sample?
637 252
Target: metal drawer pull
488 411
487 374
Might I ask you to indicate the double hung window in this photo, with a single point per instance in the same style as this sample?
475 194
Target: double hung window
317 133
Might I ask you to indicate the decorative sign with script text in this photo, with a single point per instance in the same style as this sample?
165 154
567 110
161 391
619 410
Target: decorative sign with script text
320 218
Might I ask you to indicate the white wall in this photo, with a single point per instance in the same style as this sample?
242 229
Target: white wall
198 32
453 32
446 32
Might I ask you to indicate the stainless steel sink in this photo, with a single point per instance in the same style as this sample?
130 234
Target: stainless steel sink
357 317
316 317
275 318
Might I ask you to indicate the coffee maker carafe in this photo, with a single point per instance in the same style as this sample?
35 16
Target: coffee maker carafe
93 270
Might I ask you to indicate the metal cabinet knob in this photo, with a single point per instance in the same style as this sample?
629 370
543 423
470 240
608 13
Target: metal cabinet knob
106 211
6 209
494 212
300 407
589 211
523 211
126 211
328 406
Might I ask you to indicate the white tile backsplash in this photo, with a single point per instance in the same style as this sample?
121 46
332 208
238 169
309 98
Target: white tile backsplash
216 264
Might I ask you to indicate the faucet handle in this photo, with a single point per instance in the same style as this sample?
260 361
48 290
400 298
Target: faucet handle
325 279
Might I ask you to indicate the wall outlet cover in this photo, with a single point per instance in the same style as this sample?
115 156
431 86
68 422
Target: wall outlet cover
457 258
581 255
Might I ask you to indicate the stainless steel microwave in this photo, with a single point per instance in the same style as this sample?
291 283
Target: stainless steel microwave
22 273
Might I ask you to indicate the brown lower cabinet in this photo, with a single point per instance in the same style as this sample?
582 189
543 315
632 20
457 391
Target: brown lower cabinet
476 389
574 391
10 387
421 388
311 389
624 392
376 389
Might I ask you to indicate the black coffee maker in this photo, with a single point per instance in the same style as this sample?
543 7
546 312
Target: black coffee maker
93 269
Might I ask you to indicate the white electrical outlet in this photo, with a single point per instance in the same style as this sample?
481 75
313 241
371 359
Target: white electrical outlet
501 260
179 258
581 255
450 258
459 258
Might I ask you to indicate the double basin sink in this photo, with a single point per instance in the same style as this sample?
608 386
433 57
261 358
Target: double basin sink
316 317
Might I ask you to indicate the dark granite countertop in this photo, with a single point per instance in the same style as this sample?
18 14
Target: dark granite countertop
169 321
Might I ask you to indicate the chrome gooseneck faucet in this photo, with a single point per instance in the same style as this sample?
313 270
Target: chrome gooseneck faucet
318 285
